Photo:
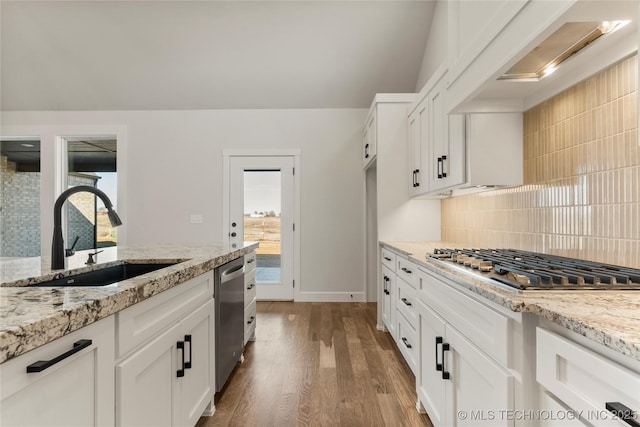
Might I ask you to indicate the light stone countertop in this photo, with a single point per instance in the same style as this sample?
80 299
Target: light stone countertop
610 318
33 316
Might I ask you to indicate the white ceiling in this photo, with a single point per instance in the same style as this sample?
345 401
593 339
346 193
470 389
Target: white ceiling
127 55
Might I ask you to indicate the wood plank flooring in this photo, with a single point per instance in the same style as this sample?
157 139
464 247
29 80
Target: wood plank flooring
318 364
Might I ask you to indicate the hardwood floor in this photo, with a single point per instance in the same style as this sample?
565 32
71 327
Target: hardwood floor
318 364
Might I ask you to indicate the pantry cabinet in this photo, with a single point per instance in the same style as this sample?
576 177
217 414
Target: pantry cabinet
67 382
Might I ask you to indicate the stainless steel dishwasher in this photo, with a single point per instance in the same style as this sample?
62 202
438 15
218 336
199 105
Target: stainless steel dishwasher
229 328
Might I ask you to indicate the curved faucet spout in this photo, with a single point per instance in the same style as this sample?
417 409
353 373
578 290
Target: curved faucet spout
58 259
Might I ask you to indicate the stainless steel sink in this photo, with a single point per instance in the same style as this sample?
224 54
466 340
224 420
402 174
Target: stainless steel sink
106 276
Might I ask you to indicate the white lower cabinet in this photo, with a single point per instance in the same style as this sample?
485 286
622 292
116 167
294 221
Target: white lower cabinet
389 300
168 381
458 383
76 391
165 369
584 387
250 292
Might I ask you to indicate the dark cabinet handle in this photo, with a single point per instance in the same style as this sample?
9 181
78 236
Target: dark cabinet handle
366 151
41 365
251 286
187 339
406 342
251 319
417 177
413 183
445 375
404 300
438 342
387 258
406 270
180 372
444 174
251 260
623 412
439 167
233 234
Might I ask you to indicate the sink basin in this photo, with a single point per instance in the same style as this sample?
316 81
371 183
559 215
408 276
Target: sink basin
105 276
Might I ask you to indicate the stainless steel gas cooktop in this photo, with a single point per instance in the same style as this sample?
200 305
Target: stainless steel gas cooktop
522 270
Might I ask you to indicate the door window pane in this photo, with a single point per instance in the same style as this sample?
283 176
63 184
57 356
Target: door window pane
20 198
262 208
92 162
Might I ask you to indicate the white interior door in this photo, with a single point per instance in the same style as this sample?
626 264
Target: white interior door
261 208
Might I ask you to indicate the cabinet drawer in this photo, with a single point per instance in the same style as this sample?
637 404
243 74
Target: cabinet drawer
389 259
583 380
249 321
482 325
408 271
249 262
141 322
405 302
407 340
249 288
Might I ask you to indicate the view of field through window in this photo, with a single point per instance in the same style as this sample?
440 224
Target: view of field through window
262 209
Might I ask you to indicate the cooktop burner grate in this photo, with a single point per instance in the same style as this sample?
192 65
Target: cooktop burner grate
525 270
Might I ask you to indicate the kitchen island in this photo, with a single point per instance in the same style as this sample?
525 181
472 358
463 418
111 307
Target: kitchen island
139 350
33 316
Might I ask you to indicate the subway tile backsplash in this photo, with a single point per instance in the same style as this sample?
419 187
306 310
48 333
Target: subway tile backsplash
581 196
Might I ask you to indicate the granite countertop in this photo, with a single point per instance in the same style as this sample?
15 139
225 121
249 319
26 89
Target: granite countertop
608 318
33 316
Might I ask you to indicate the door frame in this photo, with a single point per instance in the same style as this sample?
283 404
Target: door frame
226 199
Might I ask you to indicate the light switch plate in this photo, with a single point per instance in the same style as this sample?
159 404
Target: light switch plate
196 219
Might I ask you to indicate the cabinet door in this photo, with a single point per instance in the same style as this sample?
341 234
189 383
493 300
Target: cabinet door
77 391
438 137
477 387
197 384
430 386
416 129
388 300
147 384
369 141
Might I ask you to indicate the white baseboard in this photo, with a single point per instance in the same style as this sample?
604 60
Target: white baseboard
331 297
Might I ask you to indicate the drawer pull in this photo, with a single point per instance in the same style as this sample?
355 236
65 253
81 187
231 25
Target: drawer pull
250 260
623 412
406 270
251 319
439 341
406 342
386 258
41 365
445 374
251 286
404 300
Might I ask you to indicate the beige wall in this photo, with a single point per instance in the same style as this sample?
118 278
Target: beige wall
581 196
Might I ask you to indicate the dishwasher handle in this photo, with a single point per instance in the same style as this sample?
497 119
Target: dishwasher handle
232 273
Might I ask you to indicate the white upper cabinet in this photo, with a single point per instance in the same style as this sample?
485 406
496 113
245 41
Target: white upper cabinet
369 139
460 151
